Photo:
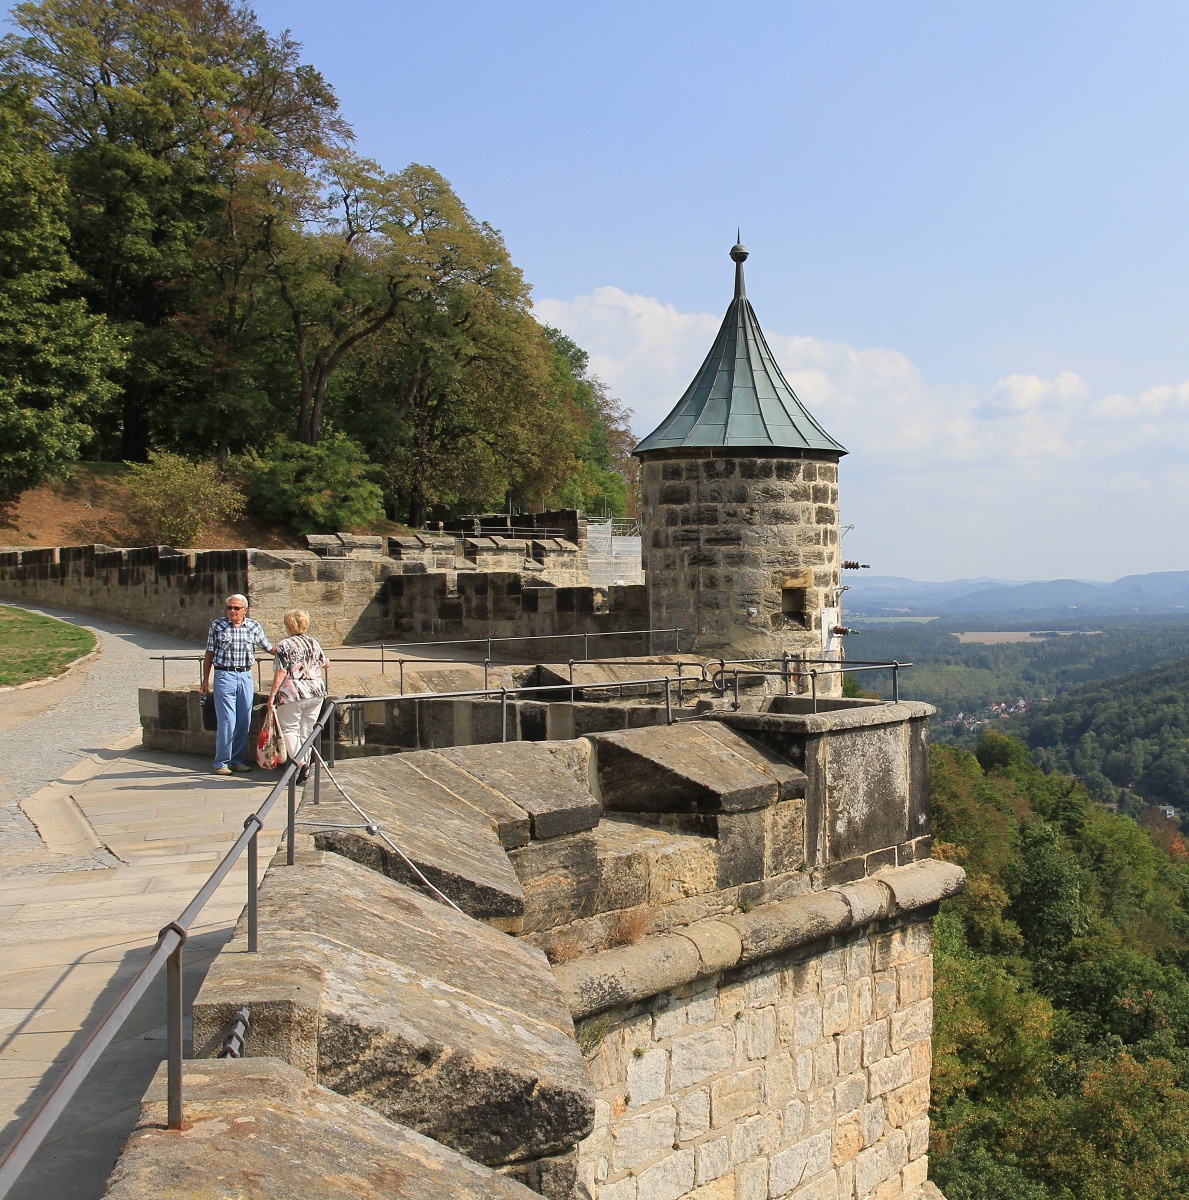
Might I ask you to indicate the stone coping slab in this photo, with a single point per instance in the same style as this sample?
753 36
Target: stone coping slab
656 964
453 843
428 1016
259 1127
684 768
859 717
548 780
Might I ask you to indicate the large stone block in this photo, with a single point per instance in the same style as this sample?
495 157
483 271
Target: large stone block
259 1127
429 1017
458 850
546 780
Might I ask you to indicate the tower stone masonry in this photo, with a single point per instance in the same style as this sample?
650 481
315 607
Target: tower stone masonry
740 515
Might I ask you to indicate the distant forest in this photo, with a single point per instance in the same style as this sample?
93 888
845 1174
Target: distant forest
1061 1041
965 677
196 261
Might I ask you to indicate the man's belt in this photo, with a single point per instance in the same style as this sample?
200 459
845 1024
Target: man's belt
247 668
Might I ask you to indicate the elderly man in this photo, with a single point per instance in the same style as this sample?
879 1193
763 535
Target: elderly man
231 650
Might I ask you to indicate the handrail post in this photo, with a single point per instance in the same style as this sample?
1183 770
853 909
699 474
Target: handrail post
486 668
813 684
489 647
381 658
317 774
784 667
503 714
895 682
736 705
668 701
680 686
173 1007
586 646
677 638
289 847
571 681
253 883
330 725
402 676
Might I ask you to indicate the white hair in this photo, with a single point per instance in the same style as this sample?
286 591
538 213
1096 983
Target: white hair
237 596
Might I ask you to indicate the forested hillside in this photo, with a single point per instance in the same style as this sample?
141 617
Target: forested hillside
1126 738
1061 1052
966 677
195 260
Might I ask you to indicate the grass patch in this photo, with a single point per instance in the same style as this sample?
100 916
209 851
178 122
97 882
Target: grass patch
33 646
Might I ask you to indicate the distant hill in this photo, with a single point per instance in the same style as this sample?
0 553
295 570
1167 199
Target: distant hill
1158 592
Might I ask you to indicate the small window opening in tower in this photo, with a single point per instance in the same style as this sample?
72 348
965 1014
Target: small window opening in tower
793 606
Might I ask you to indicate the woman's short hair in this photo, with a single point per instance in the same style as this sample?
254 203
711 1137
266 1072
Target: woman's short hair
297 620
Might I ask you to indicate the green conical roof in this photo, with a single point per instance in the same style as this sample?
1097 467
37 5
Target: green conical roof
739 398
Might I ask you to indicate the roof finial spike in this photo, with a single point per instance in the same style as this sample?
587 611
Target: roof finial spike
739 256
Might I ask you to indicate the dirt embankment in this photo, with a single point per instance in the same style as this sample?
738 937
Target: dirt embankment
93 505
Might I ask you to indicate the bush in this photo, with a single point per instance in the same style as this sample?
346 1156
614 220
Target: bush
316 489
177 500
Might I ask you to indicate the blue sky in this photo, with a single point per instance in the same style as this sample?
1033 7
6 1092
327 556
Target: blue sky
968 226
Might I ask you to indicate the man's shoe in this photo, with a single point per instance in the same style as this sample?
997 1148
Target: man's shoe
221 771
240 767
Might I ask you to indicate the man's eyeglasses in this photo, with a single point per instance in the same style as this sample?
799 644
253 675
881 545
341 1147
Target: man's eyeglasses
235 608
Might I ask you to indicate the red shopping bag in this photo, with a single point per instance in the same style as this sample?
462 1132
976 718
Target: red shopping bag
270 746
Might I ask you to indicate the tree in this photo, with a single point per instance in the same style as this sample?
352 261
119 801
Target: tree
55 357
458 399
153 106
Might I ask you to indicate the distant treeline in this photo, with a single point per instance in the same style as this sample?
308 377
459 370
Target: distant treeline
194 258
967 677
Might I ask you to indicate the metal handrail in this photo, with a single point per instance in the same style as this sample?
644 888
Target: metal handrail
166 952
384 647
718 678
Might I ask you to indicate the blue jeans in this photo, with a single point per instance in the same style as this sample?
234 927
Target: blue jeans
233 692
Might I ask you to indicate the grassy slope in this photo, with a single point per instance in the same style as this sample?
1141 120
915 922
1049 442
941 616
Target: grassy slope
34 647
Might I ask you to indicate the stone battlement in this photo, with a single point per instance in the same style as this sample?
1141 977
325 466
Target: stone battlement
685 960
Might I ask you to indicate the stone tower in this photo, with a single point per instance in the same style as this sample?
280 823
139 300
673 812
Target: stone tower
740 520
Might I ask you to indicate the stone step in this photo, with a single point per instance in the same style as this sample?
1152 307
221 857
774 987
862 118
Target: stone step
259 1127
431 1018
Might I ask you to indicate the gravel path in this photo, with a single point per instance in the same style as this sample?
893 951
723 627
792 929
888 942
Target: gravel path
46 730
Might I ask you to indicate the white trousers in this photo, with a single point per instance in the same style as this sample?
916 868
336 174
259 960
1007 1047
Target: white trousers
296 720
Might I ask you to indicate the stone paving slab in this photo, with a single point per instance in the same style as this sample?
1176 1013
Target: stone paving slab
71 940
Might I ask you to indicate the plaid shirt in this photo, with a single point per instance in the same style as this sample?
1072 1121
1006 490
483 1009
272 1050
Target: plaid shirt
234 646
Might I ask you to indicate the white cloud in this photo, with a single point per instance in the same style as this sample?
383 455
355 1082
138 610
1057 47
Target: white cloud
1032 478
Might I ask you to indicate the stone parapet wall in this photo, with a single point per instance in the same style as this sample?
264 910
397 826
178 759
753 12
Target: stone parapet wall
805 1076
351 598
177 592
726 535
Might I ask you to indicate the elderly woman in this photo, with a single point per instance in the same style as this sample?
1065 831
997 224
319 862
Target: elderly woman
298 684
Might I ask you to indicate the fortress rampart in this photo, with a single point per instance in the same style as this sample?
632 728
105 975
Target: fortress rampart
687 960
357 596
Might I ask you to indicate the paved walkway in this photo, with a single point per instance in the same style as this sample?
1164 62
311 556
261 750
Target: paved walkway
131 837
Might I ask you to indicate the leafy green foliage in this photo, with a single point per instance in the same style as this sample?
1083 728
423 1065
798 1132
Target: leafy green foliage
263 278
55 357
317 489
178 500
1129 733
1061 999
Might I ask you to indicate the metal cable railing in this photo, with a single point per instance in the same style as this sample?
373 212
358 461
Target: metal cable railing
385 648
